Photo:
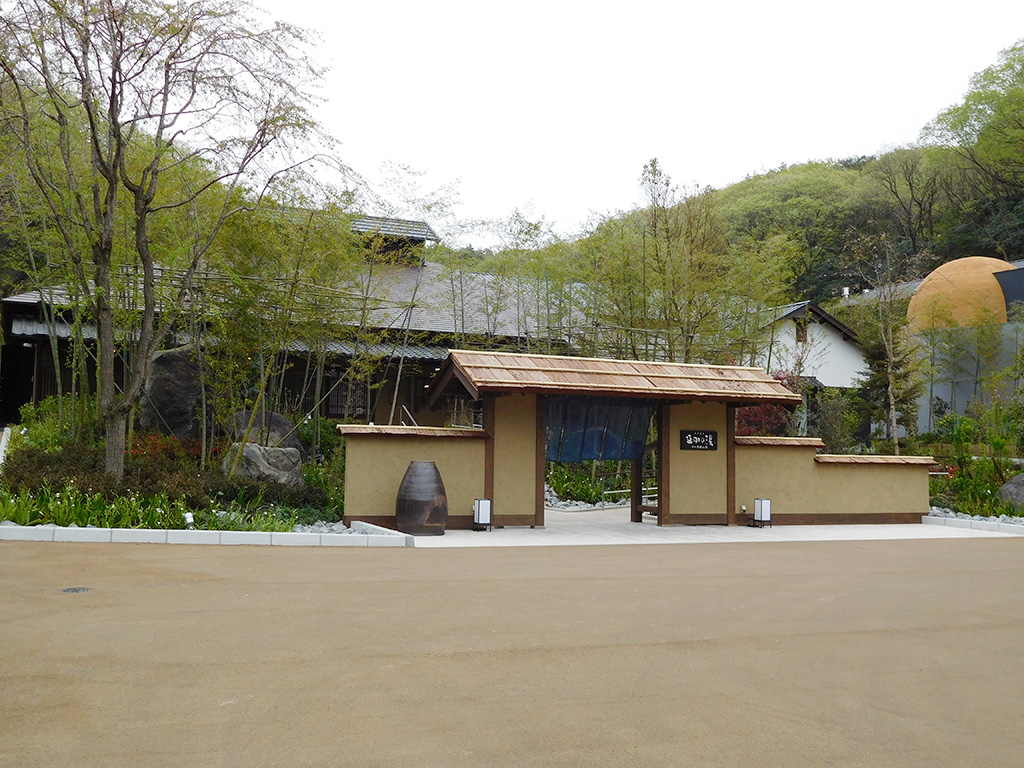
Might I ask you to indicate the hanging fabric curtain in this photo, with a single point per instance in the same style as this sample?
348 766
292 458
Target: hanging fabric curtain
601 428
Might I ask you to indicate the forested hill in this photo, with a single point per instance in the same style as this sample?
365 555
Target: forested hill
935 203
823 225
959 192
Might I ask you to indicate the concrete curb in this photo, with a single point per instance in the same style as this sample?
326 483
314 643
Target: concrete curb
366 535
978 525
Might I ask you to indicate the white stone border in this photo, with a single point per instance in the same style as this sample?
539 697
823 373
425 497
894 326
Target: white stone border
978 525
368 535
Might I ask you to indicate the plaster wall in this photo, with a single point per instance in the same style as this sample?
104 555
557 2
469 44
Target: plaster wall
376 464
515 456
844 362
803 490
698 479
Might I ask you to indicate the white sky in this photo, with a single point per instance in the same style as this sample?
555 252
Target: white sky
553 107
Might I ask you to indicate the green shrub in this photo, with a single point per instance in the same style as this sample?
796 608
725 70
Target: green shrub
160 474
588 481
42 426
72 506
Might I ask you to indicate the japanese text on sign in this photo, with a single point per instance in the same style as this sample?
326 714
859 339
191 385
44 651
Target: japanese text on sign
698 440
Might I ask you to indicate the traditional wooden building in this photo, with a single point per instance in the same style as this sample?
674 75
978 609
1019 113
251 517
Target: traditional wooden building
405 323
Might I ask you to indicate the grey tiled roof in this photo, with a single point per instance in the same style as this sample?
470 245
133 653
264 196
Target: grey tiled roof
413 230
433 307
381 349
417 298
30 326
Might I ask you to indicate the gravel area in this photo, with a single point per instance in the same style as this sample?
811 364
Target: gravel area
943 512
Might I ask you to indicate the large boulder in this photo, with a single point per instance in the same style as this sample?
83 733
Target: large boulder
171 394
1013 491
270 429
259 462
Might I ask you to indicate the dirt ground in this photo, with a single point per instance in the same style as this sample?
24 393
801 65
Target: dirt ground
898 653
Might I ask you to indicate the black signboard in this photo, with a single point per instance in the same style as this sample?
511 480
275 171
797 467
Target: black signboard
698 440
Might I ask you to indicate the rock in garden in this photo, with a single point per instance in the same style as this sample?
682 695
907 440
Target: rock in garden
268 428
1013 491
171 394
259 462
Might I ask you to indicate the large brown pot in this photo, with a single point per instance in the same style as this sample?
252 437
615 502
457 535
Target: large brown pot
422 505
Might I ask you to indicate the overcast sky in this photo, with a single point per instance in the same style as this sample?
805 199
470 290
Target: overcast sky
553 107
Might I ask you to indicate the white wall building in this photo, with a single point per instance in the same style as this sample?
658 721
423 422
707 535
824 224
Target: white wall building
807 341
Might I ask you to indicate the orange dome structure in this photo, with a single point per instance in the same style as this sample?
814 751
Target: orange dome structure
962 293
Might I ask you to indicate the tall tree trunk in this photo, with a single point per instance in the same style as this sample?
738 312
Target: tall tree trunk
116 427
893 425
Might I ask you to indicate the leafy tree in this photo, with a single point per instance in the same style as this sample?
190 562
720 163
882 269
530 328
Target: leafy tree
834 417
759 287
987 130
128 114
615 299
912 182
813 206
287 283
519 237
988 126
893 381
769 418
662 282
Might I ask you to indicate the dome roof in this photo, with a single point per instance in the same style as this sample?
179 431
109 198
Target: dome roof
962 293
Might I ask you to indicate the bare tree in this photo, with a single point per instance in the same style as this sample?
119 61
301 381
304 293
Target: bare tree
133 115
913 181
894 363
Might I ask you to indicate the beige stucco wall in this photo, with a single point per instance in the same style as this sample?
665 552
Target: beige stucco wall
698 478
375 465
515 454
798 485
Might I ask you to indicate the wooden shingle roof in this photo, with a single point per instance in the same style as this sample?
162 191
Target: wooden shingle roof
481 373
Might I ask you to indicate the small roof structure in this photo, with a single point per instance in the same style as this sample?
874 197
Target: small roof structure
479 373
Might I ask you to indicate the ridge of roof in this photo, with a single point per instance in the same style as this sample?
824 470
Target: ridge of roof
481 372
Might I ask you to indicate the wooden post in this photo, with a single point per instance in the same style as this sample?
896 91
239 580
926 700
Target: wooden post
636 490
730 464
489 450
36 375
540 474
664 475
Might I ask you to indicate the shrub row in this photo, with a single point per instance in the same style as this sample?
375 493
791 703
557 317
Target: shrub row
167 475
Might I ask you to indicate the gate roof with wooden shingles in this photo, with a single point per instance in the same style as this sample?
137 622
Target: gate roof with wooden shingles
481 373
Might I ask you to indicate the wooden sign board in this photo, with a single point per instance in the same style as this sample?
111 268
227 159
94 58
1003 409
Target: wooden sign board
698 440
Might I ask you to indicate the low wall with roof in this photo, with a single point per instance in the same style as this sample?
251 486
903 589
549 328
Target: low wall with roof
808 488
377 457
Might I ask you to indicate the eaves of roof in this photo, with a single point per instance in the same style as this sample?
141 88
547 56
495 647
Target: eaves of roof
382 225
802 309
